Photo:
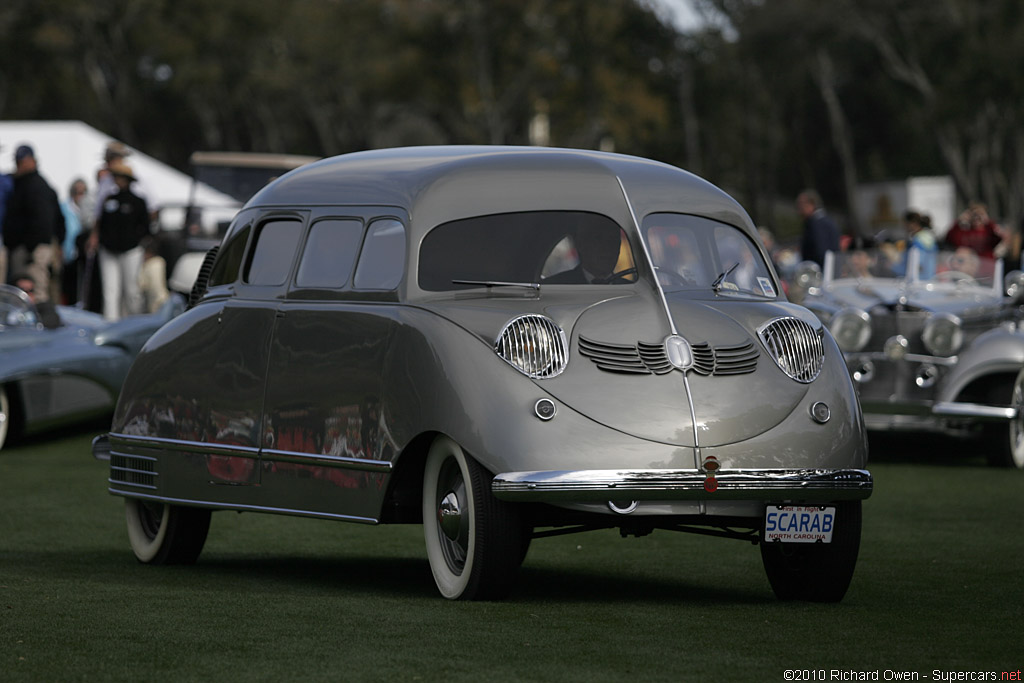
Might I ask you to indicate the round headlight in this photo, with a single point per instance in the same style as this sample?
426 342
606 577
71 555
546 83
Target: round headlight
1013 284
852 329
943 334
808 274
534 345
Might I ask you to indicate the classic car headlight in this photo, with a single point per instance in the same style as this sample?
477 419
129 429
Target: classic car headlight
534 345
943 334
1013 285
852 329
795 346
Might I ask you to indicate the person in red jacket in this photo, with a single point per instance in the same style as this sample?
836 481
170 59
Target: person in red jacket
975 230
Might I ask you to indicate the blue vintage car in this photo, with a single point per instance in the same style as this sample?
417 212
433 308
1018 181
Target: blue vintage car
68 370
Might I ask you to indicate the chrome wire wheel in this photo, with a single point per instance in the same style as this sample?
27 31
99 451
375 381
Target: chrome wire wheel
1017 424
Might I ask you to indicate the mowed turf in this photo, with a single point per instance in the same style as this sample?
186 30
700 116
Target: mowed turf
938 587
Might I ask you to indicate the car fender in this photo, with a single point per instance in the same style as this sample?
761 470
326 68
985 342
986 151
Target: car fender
998 351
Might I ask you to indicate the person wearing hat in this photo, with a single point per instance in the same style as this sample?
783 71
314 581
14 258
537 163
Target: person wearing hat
123 222
115 153
33 221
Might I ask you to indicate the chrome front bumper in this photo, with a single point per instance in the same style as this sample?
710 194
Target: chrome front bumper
810 485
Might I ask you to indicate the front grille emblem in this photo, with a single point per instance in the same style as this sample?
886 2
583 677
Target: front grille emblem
678 352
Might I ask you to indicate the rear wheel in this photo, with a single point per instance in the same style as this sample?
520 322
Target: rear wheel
165 534
474 541
818 572
1005 447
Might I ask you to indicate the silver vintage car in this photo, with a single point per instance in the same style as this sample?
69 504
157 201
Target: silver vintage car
68 369
502 344
942 354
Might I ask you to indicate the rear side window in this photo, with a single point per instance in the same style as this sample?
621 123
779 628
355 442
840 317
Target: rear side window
229 259
330 253
276 243
382 261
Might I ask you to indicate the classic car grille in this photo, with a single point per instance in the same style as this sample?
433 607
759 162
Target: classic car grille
795 346
645 358
133 470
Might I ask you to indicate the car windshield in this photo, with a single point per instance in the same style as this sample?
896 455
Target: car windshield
526 249
16 310
693 253
890 261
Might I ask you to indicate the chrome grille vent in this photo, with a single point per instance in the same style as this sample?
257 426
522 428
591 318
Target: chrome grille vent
646 358
534 345
133 470
795 346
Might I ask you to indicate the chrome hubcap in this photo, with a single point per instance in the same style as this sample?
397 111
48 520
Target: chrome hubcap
449 516
452 524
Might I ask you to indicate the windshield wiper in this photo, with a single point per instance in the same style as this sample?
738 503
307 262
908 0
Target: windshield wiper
492 283
717 284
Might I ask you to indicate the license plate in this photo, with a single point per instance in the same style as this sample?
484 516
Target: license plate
799 524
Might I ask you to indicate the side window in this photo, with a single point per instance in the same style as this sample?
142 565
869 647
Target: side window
272 256
382 261
229 258
329 254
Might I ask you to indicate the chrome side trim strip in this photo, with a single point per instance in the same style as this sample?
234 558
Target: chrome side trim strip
975 410
602 485
181 445
243 508
322 460
340 461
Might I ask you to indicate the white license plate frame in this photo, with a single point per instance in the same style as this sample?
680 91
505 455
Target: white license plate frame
799 523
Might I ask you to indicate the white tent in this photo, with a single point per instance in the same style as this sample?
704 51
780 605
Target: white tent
66 150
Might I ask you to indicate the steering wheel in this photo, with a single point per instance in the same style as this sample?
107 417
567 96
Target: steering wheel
615 277
673 277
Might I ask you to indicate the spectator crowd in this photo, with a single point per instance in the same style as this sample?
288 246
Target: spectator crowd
94 249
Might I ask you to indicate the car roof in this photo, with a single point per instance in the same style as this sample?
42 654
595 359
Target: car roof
435 185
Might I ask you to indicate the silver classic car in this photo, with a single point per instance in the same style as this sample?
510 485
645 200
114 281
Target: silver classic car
942 354
67 369
500 344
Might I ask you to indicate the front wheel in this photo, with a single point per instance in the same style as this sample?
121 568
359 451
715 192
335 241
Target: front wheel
818 572
165 534
1006 441
474 541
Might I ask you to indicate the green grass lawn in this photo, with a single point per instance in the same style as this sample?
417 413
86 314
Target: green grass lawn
938 586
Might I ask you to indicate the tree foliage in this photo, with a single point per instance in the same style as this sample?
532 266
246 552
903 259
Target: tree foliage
768 97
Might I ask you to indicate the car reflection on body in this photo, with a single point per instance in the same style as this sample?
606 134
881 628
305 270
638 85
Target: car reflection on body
943 355
501 344
68 370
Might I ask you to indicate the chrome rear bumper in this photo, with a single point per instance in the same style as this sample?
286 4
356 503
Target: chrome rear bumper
809 485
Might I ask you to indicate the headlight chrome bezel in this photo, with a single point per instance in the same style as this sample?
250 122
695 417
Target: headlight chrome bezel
943 335
534 345
856 319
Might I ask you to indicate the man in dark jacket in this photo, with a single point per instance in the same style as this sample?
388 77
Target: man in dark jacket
123 222
820 232
33 221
